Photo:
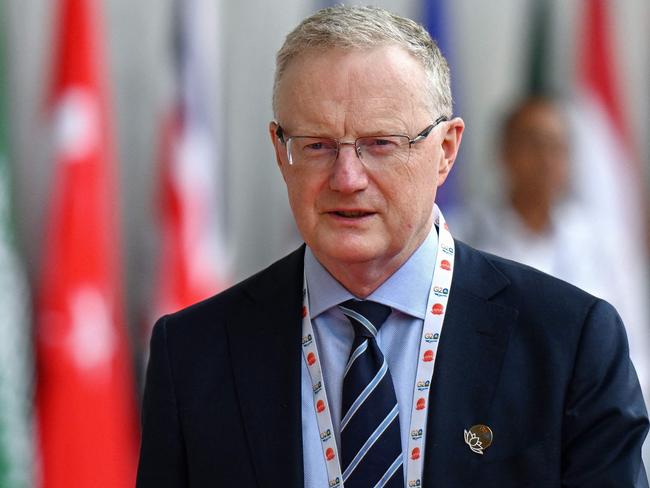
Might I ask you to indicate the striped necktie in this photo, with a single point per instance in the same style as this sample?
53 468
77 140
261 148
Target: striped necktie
371 450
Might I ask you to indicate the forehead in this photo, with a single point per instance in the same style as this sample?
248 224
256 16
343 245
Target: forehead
539 117
324 87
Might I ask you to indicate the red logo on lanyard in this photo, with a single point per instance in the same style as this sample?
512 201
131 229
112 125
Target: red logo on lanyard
311 358
415 453
446 265
304 311
320 406
437 309
329 453
420 404
428 356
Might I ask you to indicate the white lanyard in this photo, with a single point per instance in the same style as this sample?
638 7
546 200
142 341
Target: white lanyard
435 315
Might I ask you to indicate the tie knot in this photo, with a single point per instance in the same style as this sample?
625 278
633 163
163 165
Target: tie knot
366 316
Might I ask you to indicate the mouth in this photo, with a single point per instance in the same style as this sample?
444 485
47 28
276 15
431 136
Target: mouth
351 214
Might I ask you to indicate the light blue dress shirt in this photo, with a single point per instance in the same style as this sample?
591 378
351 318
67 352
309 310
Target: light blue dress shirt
406 292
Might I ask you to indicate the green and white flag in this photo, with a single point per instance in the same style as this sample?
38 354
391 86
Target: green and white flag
15 349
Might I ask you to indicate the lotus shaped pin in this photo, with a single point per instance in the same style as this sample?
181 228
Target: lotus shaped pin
474 442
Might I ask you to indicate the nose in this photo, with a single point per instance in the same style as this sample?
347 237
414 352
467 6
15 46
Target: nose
348 174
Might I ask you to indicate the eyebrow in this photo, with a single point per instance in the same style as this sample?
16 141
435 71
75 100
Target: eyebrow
363 133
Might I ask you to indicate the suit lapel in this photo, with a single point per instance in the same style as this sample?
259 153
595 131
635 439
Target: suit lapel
474 339
264 341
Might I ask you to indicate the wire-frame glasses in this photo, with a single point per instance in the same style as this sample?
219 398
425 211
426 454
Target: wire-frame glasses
374 151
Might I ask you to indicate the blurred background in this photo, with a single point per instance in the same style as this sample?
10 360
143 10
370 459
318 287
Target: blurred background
136 176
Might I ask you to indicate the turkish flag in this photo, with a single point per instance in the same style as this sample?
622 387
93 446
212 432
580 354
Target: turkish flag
86 413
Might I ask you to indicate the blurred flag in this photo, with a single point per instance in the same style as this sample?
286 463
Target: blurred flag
437 21
609 178
85 394
540 67
193 262
15 333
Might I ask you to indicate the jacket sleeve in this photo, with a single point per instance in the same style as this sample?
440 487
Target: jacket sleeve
605 420
162 453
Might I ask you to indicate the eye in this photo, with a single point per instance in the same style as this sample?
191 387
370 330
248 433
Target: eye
381 142
317 145
379 146
314 146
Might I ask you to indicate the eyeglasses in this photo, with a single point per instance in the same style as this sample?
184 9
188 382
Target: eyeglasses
374 151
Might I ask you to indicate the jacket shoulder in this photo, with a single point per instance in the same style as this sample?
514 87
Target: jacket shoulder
217 309
523 281
546 306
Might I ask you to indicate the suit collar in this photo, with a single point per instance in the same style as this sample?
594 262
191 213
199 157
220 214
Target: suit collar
264 340
475 274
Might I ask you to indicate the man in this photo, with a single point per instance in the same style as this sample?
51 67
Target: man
324 369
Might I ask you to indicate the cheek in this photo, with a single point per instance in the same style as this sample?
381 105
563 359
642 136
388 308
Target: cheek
302 196
410 200
418 187
422 201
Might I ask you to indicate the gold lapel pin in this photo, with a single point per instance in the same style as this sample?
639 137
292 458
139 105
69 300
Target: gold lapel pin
478 438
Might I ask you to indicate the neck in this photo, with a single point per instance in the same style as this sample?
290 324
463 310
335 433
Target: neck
535 213
359 279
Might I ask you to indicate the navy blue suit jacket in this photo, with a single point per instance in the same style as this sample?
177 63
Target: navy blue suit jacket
540 362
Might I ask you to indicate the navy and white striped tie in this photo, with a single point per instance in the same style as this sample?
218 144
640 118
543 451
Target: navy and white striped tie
371 450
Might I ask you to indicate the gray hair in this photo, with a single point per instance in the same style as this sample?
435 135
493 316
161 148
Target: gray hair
367 27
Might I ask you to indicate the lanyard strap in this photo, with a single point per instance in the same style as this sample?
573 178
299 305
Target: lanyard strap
431 331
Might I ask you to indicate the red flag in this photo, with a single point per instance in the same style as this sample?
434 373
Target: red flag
85 395
597 71
193 262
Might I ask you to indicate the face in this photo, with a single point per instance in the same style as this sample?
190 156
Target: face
536 153
347 214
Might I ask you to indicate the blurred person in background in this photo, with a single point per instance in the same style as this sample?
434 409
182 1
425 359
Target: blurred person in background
533 220
319 370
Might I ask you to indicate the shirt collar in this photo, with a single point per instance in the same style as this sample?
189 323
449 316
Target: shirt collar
407 290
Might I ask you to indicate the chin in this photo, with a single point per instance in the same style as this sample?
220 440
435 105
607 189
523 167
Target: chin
348 252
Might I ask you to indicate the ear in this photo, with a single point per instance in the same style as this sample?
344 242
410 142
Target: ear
278 146
450 146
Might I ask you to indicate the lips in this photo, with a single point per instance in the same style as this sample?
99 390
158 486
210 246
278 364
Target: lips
351 214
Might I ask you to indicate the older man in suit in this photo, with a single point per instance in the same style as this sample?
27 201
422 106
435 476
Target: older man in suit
384 353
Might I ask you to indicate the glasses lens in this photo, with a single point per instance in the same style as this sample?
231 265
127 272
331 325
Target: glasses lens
374 151
378 151
312 151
